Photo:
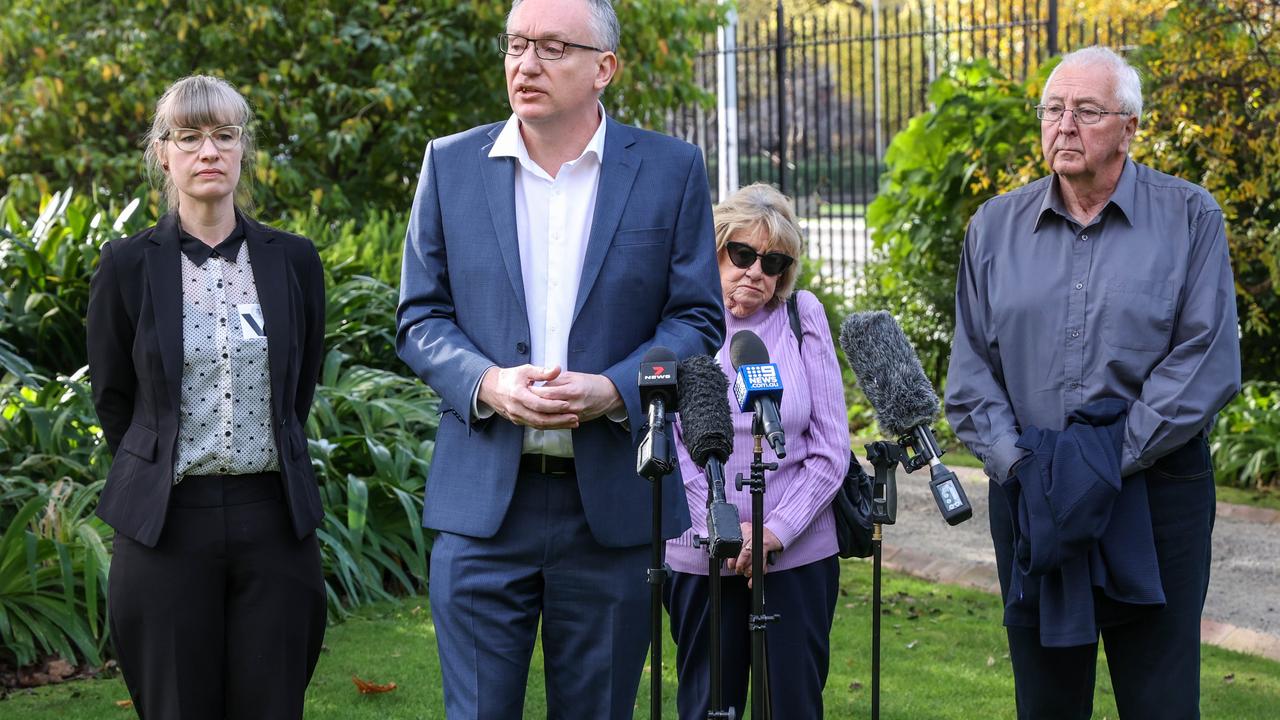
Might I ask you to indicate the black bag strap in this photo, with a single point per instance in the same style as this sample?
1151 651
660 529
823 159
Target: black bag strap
793 314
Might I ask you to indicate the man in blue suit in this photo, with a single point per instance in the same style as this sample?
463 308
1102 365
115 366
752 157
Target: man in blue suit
545 255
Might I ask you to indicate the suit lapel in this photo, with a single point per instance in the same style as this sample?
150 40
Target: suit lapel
617 174
270 276
500 189
164 275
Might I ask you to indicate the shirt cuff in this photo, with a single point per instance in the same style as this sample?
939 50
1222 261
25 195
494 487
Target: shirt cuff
782 531
1131 463
479 410
619 416
1004 454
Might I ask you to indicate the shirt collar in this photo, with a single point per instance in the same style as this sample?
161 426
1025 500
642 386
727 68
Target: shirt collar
198 252
510 143
1122 198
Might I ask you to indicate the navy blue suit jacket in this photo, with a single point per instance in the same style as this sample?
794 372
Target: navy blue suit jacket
649 278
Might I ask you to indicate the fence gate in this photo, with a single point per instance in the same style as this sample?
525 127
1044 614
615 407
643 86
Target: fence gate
809 103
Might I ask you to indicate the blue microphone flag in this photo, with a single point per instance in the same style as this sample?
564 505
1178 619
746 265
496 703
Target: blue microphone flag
754 381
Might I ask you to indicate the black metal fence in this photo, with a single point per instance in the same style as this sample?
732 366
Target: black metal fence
810 103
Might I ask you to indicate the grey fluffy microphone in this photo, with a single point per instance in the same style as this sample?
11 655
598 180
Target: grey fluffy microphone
707 426
890 375
888 372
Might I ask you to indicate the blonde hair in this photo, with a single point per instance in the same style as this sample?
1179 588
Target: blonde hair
198 101
760 207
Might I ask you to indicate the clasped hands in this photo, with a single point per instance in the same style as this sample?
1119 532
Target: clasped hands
742 563
547 398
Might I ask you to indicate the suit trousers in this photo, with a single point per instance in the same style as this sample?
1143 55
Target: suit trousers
1154 659
488 595
798 644
224 617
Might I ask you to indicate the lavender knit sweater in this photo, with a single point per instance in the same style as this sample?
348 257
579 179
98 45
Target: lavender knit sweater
797 499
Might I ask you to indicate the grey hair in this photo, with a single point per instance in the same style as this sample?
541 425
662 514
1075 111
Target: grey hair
1128 85
760 207
603 20
198 101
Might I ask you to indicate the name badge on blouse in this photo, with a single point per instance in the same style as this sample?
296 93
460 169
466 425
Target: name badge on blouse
252 326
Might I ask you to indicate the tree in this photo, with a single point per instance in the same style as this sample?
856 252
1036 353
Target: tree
347 92
1213 97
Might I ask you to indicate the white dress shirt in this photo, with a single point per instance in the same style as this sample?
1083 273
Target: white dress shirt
553 224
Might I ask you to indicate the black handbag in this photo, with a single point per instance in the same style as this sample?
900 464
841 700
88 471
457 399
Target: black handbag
852 503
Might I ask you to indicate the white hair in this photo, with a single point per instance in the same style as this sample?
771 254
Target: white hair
603 21
1128 85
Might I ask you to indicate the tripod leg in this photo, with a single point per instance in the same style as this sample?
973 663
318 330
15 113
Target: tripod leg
875 623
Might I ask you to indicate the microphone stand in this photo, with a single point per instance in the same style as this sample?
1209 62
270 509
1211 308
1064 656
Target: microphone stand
883 456
758 621
656 460
720 516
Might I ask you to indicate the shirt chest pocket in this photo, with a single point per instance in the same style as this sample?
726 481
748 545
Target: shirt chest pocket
1137 314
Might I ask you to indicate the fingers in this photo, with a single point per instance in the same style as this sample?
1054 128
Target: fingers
515 399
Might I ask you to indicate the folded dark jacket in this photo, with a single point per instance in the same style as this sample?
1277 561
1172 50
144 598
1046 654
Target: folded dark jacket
1084 551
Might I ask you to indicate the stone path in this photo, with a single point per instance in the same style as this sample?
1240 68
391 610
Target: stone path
1244 590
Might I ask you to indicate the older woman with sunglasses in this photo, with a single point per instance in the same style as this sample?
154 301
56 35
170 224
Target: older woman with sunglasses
757 242
205 336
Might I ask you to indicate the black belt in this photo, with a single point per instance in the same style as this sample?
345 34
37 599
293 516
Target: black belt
546 465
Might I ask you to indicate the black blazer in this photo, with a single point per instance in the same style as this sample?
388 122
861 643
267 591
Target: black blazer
135 366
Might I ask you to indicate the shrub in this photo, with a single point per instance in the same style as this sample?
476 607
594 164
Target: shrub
347 92
981 139
45 266
53 571
1212 71
373 434
1246 441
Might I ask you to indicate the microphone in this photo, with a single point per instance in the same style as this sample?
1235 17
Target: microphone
658 391
758 386
708 434
890 375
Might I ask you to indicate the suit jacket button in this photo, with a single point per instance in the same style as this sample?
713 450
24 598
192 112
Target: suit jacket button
522 348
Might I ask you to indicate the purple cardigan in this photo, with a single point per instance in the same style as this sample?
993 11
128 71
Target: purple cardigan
797 498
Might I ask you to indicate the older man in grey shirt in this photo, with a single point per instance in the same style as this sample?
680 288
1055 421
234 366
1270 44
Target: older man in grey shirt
1105 279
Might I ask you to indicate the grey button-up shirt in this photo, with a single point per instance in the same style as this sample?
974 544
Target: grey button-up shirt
1051 315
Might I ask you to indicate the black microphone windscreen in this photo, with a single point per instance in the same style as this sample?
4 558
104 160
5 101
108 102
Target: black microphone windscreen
746 348
888 371
704 410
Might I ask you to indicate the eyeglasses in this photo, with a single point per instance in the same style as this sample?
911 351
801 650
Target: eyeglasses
1083 116
744 256
545 48
226 137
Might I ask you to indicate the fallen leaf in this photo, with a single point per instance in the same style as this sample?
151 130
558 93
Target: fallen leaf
1229 678
912 644
124 703
990 661
855 685
367 688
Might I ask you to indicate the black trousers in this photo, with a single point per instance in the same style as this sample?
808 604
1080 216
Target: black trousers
1155 659
798 644
224 617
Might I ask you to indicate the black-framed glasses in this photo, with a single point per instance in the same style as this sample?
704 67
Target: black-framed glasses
1083 116
545 48
226 137
744 256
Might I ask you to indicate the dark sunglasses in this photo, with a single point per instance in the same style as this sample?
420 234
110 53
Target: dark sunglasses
744 256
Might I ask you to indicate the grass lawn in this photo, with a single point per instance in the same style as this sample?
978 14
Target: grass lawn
1257 498
943 656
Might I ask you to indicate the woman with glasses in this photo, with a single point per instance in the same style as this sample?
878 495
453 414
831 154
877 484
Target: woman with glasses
758 241
205 336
